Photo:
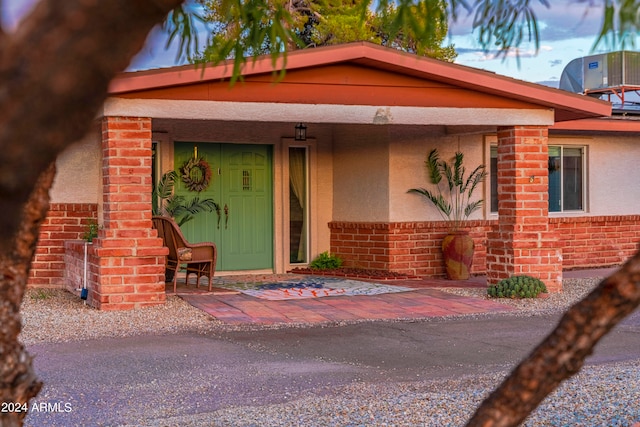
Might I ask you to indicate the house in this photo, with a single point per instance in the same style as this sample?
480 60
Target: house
563 189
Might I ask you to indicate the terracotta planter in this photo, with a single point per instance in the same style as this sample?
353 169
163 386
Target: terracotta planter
457 251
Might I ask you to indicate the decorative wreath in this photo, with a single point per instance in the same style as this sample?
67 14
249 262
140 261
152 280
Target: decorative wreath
196 174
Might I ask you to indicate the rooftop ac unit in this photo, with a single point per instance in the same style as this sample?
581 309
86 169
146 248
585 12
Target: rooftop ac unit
603 71
614 69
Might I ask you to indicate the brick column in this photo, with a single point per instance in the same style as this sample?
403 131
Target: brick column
523 242
129 255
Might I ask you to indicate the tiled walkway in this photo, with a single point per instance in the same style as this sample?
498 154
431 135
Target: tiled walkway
237 308
425 301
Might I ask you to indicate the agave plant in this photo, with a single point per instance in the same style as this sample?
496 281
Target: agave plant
453 197
167 203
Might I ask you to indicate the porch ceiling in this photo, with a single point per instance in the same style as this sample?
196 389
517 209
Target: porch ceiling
202 130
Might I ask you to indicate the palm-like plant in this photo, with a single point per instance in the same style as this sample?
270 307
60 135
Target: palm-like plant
453 198
167 203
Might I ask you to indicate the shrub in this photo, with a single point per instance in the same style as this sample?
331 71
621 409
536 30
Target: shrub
326 261
91 230
517 287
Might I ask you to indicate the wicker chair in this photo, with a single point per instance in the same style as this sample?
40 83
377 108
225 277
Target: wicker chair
196 258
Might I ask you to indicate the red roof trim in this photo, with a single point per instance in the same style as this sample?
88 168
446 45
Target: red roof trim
572 105
609 124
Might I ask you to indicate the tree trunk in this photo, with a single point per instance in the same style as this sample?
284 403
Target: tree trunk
19 382
562 353
55 71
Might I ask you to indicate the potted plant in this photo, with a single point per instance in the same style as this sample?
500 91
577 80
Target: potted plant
452 198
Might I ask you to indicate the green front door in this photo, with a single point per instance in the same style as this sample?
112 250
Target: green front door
241 184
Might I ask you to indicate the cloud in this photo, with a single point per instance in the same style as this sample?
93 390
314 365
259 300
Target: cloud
468 50
521 53
564 19
570 19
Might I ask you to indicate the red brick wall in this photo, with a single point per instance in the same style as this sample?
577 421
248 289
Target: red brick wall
523 242
414 247
597 241
407 247
64 222
128 258
74 274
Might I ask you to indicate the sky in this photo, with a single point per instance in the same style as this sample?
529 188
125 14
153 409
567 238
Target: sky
568 31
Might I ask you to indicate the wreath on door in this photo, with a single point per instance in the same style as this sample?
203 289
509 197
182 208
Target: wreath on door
196 174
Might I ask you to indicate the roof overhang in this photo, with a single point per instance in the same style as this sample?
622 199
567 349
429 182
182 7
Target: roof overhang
565 105
600 125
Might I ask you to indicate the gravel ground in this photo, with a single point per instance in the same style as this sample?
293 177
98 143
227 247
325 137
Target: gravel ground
604 395
573 291
597 396
55 315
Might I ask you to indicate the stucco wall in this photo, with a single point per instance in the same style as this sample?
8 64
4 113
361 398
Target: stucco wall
409 149
613 174
361 173
78 176
321 172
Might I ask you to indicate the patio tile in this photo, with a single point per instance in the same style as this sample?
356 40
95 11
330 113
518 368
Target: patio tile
333 309
424 301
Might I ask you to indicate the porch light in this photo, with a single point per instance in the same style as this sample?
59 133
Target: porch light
301 132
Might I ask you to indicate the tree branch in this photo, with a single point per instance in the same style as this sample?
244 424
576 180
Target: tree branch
562 354
55 71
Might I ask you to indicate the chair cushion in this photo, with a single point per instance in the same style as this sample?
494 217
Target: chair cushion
185 254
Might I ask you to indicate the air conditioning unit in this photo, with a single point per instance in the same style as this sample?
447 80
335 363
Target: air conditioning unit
609 70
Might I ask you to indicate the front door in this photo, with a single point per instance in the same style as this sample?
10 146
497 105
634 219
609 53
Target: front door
241 184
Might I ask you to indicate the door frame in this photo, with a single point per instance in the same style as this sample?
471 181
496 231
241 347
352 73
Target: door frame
280 183
282 227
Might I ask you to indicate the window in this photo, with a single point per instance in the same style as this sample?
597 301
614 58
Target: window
566 173
493 178
298 202
566 178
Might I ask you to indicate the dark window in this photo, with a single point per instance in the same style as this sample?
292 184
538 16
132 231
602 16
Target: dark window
566 178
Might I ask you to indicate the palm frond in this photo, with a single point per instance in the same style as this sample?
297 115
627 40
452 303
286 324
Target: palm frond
438 200
184 219
164 189
188 209
449 174
174 205
458 169
433 166
166 203
196 205
478 176
472 207
453 201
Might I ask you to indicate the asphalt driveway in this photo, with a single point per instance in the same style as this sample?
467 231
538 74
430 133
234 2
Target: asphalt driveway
130 380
